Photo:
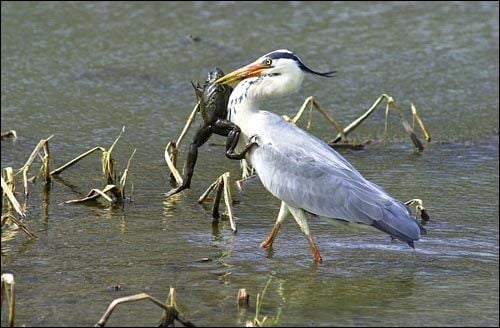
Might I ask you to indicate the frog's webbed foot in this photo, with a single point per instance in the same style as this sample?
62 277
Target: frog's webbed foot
176 190
253 141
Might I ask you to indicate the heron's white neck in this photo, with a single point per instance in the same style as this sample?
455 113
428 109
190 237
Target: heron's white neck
247 96
241 103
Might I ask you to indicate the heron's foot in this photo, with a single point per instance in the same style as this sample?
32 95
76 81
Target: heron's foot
270 239
317 258
314 250
267 243
176 190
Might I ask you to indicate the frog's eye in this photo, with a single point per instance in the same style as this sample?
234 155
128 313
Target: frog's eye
268 62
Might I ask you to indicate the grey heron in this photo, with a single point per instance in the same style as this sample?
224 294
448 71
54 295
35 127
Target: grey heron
301 170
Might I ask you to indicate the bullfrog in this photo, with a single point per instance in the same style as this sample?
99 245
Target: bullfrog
213 99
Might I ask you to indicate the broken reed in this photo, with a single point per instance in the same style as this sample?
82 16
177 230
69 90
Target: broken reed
9 134
170 313
8 184
8 285
114 184
42 151
8 187
390 104
43 144
222 187
113 191
310 103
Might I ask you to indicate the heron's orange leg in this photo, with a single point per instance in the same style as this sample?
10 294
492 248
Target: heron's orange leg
314 251
300 217
270 239
281 217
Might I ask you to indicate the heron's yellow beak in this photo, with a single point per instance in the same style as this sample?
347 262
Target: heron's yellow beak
242 73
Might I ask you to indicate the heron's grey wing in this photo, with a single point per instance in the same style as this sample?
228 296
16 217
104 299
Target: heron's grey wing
305 172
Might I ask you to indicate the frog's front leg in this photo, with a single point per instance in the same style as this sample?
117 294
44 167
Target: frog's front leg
232 131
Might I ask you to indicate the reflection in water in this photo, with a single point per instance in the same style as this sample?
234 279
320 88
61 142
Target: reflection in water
169 204
73 188
270 252
9 232
10 235
220 225
357 297
123 224
45 205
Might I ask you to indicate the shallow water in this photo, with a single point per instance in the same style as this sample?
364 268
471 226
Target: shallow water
82 71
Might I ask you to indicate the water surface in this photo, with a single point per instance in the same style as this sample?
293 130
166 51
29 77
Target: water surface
81 71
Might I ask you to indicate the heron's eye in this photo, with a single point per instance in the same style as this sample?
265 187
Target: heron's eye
268 61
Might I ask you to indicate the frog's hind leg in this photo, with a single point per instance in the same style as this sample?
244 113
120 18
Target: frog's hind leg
201 136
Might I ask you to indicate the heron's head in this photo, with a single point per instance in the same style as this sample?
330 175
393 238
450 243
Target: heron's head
277 73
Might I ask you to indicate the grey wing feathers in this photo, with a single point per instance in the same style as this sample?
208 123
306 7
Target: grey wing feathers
305 172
